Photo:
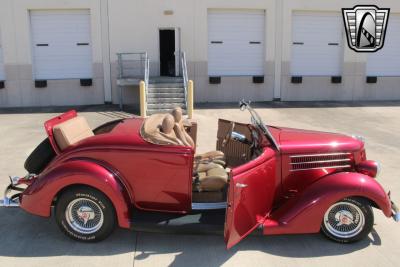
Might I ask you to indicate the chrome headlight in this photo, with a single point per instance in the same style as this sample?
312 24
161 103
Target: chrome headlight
359 138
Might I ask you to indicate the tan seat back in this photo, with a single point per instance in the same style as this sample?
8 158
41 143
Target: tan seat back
151 130
71 131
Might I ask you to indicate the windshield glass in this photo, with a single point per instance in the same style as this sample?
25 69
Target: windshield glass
257 122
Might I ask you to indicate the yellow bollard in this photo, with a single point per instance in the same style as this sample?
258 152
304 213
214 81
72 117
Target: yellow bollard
190 99
143 103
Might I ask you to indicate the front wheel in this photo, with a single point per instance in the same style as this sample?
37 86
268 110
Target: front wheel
348 220
85 214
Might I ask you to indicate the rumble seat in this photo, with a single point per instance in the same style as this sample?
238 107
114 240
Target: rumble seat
71 131
152 130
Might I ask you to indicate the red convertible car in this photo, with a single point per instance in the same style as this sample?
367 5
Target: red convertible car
145 174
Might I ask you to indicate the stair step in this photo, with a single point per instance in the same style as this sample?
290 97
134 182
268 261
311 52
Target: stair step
169 106
165 95
166 80
165 100
166 85
165 90
156 111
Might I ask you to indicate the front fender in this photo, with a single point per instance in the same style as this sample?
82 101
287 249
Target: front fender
304 214
38 197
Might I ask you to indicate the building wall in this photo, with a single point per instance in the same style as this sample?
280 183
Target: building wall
353 86
16 41
130 34
132 26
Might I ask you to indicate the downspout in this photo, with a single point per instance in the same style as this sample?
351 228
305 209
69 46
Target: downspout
105 45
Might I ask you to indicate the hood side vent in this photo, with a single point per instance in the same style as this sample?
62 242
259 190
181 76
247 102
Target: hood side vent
321 161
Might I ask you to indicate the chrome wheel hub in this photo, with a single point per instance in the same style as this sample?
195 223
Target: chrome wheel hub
344 220
84 216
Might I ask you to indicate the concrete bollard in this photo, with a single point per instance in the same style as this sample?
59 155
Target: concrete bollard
143 103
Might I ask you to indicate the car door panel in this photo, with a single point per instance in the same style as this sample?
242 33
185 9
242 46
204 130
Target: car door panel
251 194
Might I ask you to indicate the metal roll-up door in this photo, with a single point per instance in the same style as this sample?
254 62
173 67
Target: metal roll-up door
386 62
317 44
61 43
236 42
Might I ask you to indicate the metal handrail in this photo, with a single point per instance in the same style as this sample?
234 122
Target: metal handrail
147 72
184 75
146 77
135 57
141 72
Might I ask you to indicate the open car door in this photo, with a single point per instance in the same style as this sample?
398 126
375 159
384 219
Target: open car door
251 194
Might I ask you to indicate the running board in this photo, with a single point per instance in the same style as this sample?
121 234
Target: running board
209 206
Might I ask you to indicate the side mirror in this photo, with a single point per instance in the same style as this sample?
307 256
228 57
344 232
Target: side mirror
242 105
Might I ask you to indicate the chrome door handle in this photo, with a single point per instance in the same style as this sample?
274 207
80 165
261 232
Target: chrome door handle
239 185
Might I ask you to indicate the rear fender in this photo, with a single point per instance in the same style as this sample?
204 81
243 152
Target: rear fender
304 214
38 197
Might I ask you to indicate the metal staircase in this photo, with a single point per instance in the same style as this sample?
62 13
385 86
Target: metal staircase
161 93
165 93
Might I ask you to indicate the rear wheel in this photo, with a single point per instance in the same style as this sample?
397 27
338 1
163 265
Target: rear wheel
85 214
348 220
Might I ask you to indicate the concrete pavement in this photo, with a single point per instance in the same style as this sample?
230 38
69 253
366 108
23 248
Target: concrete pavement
27 240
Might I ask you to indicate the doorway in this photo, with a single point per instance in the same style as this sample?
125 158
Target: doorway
169 52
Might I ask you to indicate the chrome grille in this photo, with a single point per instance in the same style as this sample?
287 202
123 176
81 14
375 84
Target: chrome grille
320 161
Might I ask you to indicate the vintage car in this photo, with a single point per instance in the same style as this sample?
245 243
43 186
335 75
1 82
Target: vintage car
144 174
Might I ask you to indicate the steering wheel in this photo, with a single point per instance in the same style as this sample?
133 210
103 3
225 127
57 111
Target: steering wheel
228 135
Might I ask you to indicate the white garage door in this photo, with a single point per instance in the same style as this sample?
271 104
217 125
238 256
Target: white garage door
2 74
317 44
61 44
236 43
386 62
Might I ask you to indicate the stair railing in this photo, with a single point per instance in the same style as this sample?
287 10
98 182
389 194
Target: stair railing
184 76
147 75
132 66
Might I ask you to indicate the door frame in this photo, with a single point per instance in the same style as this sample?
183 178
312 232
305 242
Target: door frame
178 50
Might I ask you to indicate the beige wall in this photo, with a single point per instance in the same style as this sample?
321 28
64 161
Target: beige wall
353 86
139 31
16 41
132 26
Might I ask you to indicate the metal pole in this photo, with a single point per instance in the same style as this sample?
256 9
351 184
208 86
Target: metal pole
120 98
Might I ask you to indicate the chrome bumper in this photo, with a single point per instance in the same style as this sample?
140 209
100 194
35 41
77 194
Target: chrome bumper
11 194
395 212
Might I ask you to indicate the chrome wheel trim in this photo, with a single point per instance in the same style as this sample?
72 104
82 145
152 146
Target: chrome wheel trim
344 220
84 216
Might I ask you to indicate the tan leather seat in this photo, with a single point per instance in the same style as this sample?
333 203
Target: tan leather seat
159 129
71 131
211 156
210 177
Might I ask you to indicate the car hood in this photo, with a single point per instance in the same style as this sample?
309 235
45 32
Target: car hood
294 141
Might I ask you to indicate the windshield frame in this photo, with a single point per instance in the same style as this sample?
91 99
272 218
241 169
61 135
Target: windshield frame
257 122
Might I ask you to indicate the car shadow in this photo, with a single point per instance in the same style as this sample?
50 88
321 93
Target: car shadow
211 251
25 235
